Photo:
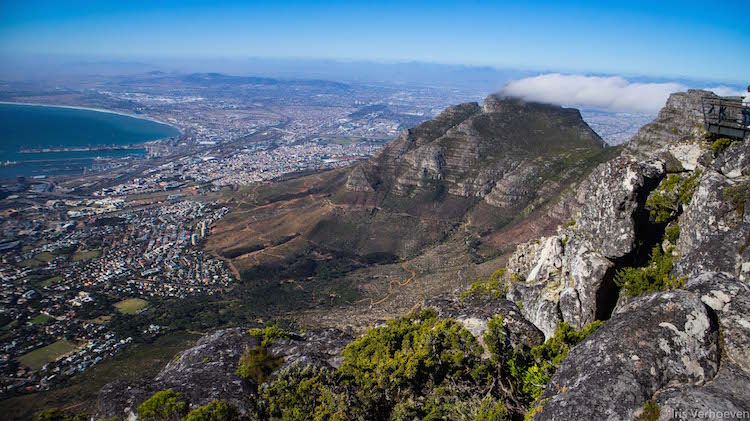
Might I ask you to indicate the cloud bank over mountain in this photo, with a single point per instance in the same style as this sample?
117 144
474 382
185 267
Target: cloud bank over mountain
611 93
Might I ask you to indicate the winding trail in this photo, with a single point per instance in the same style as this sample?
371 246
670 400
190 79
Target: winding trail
397 282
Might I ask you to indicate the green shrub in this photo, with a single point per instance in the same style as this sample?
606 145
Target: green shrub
269 334
655 276
303 393
55 414
527 372
402 359
651 412
720 144
214 411
490 410
664 203
162 406
257 364
737 196
494 287
672 233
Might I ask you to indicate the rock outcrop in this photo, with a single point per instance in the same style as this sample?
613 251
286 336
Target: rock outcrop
655 341
684 350
715 228
676 131
475 313
207 371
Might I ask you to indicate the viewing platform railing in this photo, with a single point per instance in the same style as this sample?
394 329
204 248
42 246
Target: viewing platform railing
723 116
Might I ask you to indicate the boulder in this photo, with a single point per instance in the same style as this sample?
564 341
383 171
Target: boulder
715 227
730 299
561 279
611 196
321 347
201 374
656 340
727 393
735 160
206 372
474 313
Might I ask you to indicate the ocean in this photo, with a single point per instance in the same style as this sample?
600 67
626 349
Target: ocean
35 127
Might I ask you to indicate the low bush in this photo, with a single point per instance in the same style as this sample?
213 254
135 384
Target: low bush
257 364
214 411
269 334
163 406
665 203
655 276
494 287
720 144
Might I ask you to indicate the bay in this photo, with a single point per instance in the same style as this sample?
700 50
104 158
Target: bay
34 127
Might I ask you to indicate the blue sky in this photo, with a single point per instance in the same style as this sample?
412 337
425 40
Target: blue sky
702 40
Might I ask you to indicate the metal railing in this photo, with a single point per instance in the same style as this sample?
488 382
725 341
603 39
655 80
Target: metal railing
723 116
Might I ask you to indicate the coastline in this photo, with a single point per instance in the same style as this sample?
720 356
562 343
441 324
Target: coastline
100 110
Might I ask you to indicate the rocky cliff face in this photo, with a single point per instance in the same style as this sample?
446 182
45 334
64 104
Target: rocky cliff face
499 151
671 348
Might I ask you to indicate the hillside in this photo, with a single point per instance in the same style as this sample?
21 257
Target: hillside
454 186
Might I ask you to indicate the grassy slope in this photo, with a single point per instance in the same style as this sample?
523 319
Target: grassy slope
131 305
38 357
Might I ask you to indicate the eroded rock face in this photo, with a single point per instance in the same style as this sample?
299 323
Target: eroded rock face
677 130
715 227
730 299
357 181
320 347
560 279
655 341
735 160
611 196
728 392
475 313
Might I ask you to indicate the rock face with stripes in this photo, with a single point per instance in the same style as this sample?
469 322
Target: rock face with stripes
684 351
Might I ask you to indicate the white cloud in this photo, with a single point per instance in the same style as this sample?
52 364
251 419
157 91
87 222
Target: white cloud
611 93
725 91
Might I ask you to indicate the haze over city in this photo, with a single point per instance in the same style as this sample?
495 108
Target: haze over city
393 210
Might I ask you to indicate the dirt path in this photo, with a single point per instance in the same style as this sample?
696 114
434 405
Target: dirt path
396 282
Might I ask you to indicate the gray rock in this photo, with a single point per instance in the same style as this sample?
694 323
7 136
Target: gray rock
475 313
677 130
654 341
735 160
730 299
728 392
611 196
320 347
206 372
201 374
560 281
714 230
